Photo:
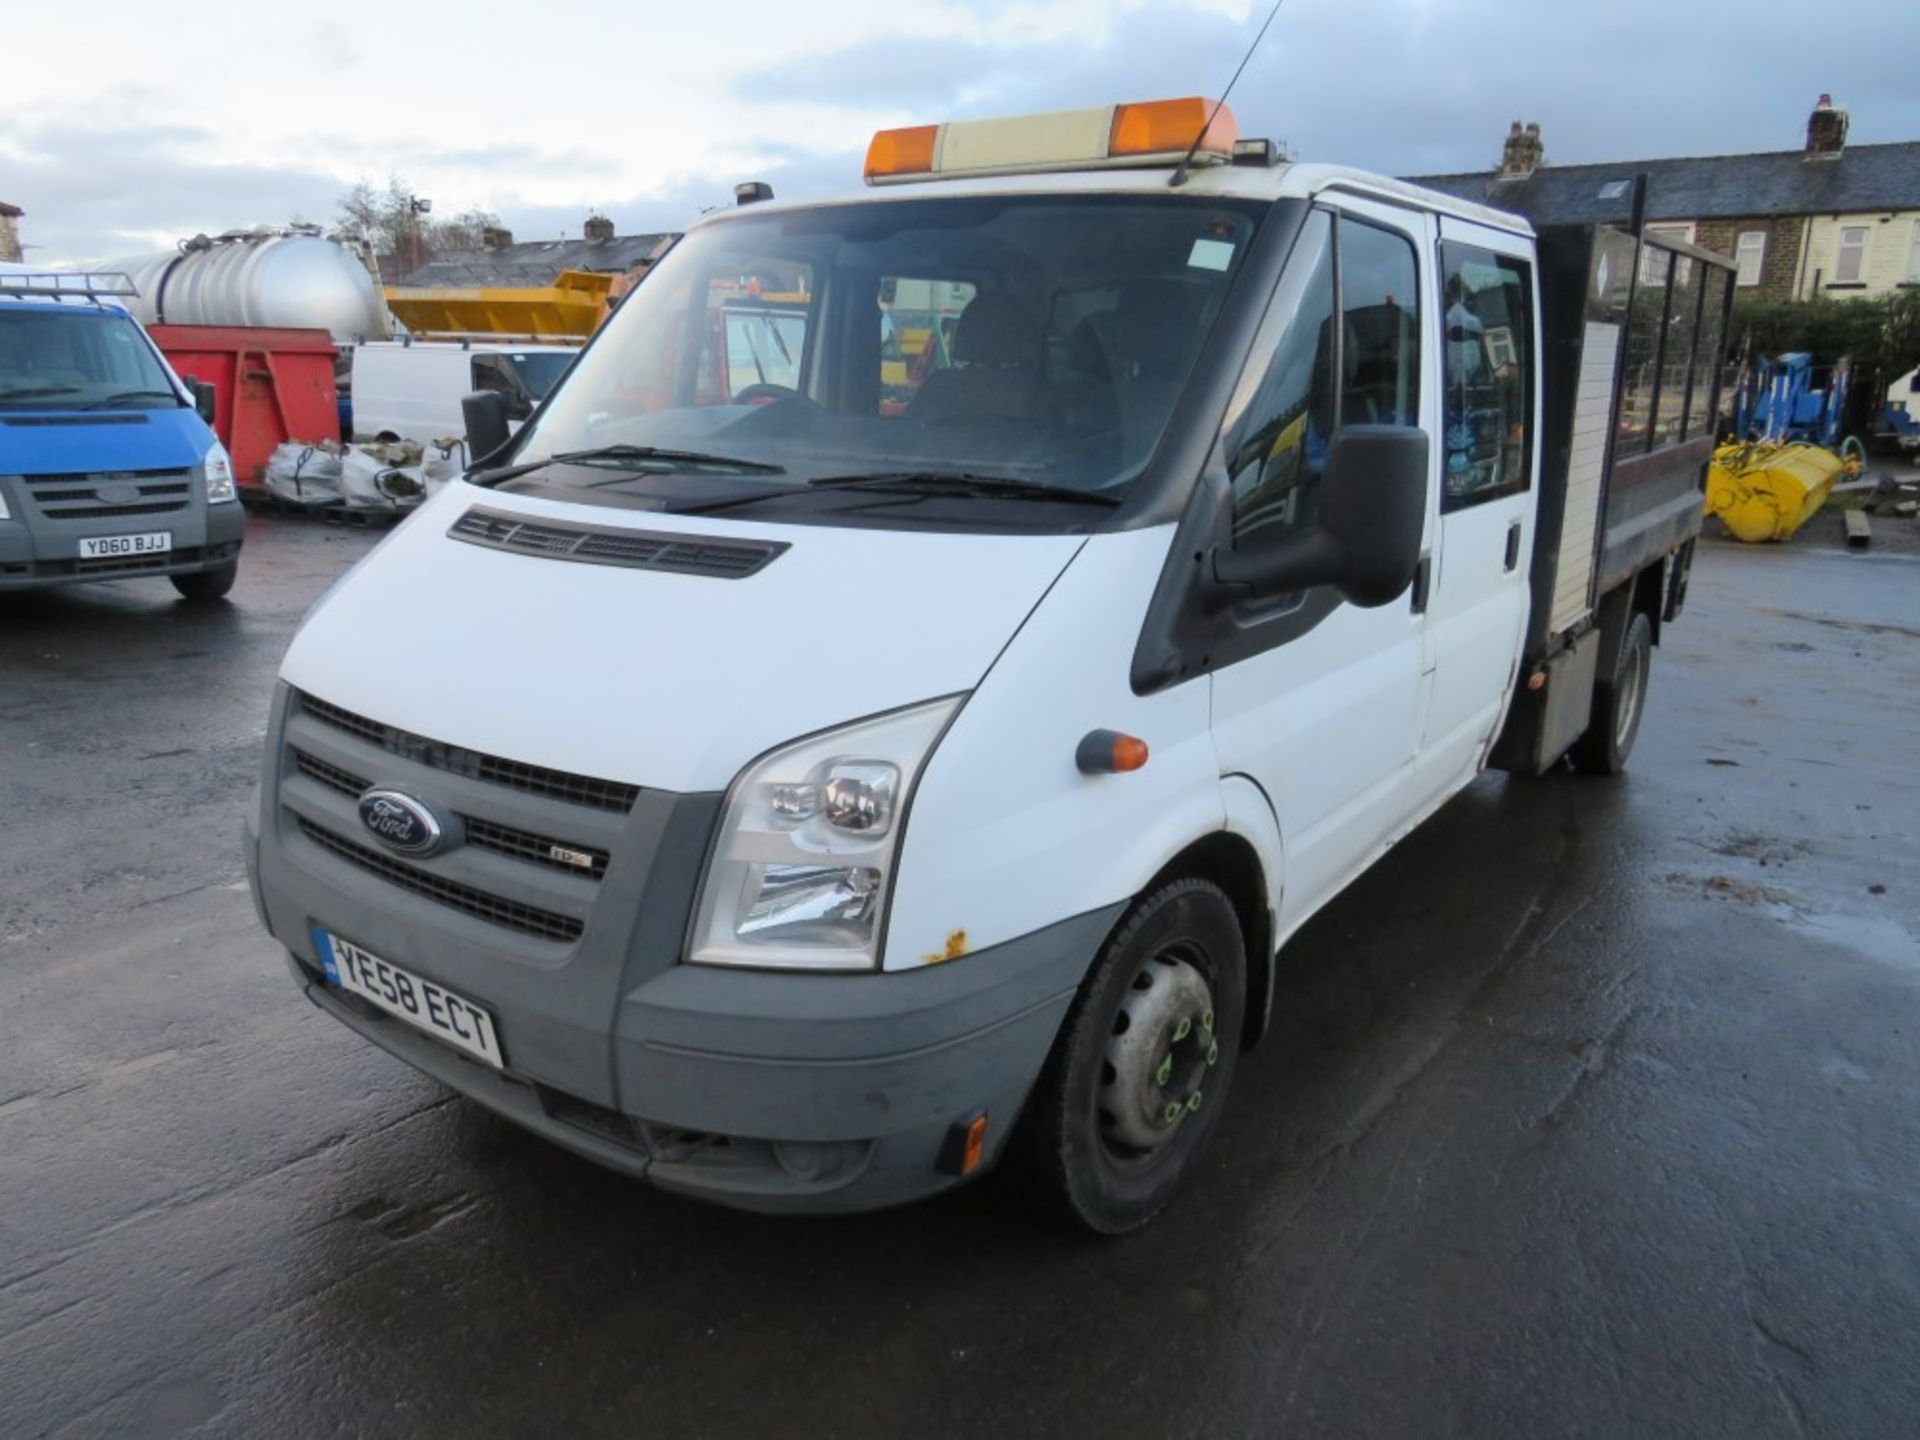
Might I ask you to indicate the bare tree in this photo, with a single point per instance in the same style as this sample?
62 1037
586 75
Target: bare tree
396 222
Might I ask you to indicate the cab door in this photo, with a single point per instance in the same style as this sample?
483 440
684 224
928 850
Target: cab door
1478 592
1318 700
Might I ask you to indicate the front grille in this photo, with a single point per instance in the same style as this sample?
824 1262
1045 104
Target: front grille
562 855
494 909
109 512
634 549
540 849
111 495
331 776
529 779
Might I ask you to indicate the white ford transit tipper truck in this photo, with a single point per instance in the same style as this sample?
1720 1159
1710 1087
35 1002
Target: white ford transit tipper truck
810 791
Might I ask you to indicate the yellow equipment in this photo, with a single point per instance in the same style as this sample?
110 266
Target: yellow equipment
1766 491
569 309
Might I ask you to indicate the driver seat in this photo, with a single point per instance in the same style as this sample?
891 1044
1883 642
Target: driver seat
996 372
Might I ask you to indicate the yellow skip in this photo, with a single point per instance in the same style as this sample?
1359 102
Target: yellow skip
1766 491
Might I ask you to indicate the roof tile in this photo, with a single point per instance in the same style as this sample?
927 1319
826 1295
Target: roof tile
1708 187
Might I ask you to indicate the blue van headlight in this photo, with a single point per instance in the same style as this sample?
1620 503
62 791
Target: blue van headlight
799 876
217 466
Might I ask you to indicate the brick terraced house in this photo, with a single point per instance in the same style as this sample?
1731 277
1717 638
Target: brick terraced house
1828 219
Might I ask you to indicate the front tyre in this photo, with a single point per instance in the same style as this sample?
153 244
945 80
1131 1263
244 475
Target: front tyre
207 586
1143 1062
1618 703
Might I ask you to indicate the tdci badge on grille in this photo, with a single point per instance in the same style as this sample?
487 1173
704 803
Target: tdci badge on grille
400 822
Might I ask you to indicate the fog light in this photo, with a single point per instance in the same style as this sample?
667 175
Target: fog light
813 1162
803 1160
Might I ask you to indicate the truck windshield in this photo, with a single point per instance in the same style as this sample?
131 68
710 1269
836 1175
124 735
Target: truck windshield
78 357
1036 338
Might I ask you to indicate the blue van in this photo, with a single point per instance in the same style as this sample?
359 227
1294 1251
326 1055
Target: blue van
108 466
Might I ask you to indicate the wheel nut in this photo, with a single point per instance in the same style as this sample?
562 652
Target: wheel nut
1183 1029
1193 1101
1165 1072
1172 1112
1213 1053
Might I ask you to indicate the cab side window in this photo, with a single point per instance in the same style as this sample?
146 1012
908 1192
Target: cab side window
1365 371
1380 327
1487 370
1275 469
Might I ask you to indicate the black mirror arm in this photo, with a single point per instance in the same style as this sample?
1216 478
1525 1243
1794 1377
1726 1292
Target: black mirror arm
1296 563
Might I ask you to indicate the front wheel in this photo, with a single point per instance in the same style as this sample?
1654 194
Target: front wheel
1143 1063
207 585
1618 703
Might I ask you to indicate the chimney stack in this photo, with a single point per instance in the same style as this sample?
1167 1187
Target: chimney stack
1826 129
1525 152
495 237
598 230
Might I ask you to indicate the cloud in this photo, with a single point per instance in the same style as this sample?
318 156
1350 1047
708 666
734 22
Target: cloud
656 122
91 194
1407 86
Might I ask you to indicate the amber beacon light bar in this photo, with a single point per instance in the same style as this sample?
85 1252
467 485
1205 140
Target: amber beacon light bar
1145 133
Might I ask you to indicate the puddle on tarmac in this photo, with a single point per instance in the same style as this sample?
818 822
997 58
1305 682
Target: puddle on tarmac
1876 937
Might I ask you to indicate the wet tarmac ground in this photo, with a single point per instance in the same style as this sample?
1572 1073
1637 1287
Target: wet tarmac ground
1594 1109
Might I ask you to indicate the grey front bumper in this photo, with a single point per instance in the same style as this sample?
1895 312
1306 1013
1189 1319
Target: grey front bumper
37 552
737 1088
766 1091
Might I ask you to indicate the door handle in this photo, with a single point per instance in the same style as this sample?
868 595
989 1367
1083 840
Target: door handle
1513 545
1422 582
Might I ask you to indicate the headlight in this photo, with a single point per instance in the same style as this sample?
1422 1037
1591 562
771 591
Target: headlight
218 466
799 875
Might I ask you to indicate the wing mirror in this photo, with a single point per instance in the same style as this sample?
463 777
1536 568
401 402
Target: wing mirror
204 396
485 415
1373 510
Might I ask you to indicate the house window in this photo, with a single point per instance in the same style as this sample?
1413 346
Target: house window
1850 265
1751 254
1913 256
1682 233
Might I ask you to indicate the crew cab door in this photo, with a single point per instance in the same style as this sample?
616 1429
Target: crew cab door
1476 606
1316 699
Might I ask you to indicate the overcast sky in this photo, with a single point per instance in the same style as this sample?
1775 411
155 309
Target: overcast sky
208 116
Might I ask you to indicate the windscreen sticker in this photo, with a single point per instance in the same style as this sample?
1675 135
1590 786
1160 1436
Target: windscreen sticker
1210 255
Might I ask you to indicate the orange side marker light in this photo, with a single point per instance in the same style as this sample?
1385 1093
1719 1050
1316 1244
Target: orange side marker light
1109 752
976 1143
965 1145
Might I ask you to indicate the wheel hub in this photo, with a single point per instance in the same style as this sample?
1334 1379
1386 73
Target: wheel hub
1159 1054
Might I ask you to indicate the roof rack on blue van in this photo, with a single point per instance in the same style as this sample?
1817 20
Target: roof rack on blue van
81 285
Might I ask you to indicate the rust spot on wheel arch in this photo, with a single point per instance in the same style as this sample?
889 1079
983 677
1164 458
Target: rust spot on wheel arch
956 947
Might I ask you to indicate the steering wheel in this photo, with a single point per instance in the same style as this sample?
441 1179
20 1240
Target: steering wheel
767 393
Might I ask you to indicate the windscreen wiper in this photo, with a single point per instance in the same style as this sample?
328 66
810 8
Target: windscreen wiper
963 482
125 395
36 392
632 454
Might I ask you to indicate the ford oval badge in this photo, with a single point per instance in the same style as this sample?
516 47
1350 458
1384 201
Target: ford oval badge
400 822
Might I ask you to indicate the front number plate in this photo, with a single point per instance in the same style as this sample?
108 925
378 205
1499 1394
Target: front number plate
421 1003
114 547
